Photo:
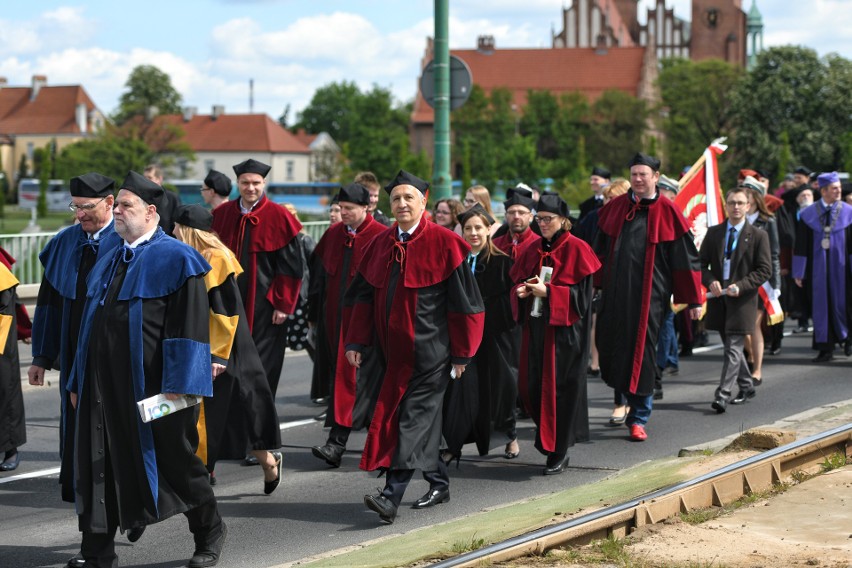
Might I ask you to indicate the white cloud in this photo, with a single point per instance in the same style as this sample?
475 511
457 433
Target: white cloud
55 29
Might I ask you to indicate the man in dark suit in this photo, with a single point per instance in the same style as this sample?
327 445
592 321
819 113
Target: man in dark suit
599 180
735 262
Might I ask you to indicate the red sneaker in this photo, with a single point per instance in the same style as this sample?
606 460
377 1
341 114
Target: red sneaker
637 433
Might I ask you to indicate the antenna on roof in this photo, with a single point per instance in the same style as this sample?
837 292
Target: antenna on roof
251 96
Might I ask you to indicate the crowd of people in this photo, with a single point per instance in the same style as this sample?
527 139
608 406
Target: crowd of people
430 332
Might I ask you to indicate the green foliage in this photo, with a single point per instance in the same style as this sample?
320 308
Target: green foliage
106 153
43 181
371 131
791 89
147 86
833 461
460 547
784 157
696 106
616 129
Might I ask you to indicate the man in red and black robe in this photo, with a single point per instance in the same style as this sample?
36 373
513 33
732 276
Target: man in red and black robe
262 235
647 253
414 292
519 209
337 256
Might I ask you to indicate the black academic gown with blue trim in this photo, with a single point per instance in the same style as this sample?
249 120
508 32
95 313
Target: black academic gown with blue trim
67 259
145 331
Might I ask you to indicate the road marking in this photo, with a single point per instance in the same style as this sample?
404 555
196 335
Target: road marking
30 475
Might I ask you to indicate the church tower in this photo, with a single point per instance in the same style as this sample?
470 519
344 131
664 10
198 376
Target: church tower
718 31
754 28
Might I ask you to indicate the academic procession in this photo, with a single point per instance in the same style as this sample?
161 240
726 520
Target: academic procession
437 339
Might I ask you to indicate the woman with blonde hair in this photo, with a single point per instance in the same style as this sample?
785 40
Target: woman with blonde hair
242 409
479 194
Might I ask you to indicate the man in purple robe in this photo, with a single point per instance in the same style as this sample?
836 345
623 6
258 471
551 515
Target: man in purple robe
822 257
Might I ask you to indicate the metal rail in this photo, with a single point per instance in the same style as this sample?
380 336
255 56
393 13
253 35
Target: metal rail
717 488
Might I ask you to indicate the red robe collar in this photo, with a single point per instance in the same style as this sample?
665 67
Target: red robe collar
571 262
332 244
272 226
429 257
665 221
505 242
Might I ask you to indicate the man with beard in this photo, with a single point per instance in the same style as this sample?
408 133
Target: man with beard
519 207
145 331
337 255
647 254
414 291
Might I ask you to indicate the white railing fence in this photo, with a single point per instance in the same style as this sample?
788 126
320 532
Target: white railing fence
24 247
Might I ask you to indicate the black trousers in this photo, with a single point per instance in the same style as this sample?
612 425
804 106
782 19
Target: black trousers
339 435
397 481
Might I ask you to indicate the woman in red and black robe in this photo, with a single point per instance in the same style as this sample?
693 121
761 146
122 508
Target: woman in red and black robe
555 314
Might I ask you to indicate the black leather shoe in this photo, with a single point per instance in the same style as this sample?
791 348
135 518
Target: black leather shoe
658 394
270 486
823 357
330 454
209 554
76 561
775 351
250 460
135 534
847 349
556 465
381 505
11 462
432 498
743 396
720 405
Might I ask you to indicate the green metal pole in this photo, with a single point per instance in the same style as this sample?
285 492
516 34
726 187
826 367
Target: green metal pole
441 176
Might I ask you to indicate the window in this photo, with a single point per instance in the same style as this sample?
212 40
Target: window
209 165
290 167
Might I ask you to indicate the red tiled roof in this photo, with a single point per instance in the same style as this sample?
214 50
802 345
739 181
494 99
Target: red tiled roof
555 70
304 137
236 133
54 110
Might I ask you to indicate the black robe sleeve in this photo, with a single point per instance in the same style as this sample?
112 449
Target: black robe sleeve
48 326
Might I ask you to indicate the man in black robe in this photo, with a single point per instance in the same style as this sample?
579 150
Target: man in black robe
145 332
262 235
599 180
647 254
337 256
414 292
67 259
171 200
519 207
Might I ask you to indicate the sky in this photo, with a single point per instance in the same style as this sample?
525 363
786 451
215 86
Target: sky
211 49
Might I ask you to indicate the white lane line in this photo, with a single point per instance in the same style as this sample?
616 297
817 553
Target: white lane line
30 475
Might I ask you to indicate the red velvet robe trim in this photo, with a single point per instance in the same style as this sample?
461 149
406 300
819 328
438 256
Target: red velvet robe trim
573 260
665 223
429 257
504 242
330 252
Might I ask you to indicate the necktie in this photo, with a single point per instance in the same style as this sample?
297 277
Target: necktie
404 237
729 248
828 215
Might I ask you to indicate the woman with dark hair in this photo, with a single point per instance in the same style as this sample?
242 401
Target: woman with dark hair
241 411
553 299
760 216
447 213
485 398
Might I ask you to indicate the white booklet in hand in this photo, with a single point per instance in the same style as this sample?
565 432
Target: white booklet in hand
158 405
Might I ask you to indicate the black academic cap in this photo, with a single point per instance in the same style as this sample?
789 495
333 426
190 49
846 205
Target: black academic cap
551 202
251 166
354 193
476 210
601 172
218 182
803 171
521 189
519 196
147 190
92 184
641 159
194 216
405 178
335 199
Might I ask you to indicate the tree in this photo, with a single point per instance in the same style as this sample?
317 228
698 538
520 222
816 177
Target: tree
616 130
791 89
147 87
696 106
107 153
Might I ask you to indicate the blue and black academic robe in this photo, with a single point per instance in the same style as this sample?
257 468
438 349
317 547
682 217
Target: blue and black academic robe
13 431
241 413
145 331
486 396
648 254
353 391
827 274
421 301
555 345
67 259
264 241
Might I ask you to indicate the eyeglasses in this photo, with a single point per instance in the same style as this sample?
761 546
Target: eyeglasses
84 207
203 189
545 220
736 203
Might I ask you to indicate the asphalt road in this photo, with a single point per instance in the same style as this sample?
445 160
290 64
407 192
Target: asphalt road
317 509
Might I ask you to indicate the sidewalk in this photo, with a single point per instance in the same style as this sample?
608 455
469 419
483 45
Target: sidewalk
809 521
